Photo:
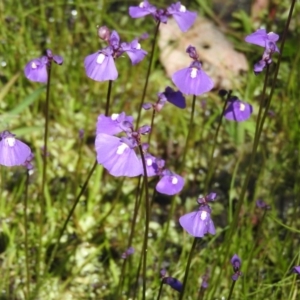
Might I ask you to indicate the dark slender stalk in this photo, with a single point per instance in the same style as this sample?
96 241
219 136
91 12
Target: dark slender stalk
160 290
231 289
132 230
70 215
147 220
152 125
189 133
211 158
148 73
201 293
108 95
26 238
44 175
187 268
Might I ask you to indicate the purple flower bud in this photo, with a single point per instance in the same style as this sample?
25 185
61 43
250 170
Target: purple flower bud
103 33
173 283
147 106
236 262
144 129
12 151
163 272
191 50
261 204
128 252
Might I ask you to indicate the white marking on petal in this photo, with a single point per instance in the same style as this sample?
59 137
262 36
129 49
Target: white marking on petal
100 58
138 46
149 162
141 5
182 8
242 107
114 116
122 148
10 141
33 65
174 180
194 73
203 215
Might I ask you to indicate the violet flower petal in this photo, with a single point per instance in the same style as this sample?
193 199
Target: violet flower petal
100 67
36 70
116 156
170 184
238 111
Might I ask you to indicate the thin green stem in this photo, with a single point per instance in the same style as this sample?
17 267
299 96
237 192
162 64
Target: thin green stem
211 158
132 230
187 268
148 73
231 289
152 125
189 133
26 238
160 290
147 220
44 176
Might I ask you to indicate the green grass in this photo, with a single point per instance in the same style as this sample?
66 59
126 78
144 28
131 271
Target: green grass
88 262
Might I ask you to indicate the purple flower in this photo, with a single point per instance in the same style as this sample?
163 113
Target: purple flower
170 183
117 155
236 264
174 97
100 66
184 18
37 69
238 110
28 162
113 124
261 204
192 80
12 151
204 284
174 283
263 39
296 269
128 252
198 223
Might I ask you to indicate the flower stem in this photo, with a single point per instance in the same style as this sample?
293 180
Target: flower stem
189 133
147 220
211 158
231 289
148 73
152 125
108 95
187 268
160 290
26 238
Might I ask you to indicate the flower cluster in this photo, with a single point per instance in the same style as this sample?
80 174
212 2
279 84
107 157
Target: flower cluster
193 80
117 154
184 18
100 66
267 40
199 222
37 69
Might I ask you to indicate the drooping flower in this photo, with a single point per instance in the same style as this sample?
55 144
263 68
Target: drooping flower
117 155
170 183
238 110
112 125
198 223
236 264
193 80
100 66
263 39
37 69
184 18
171 281
12 151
